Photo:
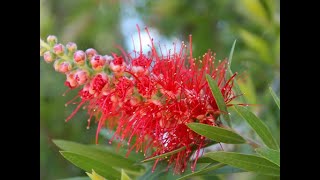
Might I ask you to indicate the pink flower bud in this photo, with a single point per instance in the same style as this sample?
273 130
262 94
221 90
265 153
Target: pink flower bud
81 76
91 52
52 40
97 62
49 56
58 49
71 81
71 47
79 57
62 66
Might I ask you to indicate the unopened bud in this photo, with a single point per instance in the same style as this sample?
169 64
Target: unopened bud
79 57
62 66
71 47
71 81
49 56
52 40
58 49
97 62
81 76
65 67
91 52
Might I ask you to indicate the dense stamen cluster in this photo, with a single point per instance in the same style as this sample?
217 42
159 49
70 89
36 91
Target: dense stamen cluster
147 99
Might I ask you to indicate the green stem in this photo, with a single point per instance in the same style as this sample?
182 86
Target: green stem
44 44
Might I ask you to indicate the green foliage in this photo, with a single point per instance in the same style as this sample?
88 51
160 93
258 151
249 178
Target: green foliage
258 126
216 133
270 154
219 98
246 162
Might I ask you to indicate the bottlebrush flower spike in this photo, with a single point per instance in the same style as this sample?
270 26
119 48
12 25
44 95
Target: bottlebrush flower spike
147 97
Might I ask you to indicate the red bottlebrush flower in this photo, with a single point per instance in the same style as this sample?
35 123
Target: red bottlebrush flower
151 98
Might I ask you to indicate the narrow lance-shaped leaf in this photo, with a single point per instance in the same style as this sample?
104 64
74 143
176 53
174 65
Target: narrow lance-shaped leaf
236 87
275 97
216 133
87 164
231 52
98 154
247 162
219 98
270 154
258 126
203 171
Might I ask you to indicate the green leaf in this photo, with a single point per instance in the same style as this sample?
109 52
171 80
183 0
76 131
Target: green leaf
164 155
86 163
258 126
76 178
257 44
270 154
98 154
203 171
216 133
231 52
219 98
124 176
247 162
275 97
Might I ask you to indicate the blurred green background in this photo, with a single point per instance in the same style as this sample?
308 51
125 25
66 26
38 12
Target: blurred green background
214 24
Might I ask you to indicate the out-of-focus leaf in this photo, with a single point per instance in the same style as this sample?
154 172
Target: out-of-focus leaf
247 87
98 154
216 133
124 176
219 98
270 154
95 176
255 11
258 126
246 162
275 97
203 171
257 44
86 163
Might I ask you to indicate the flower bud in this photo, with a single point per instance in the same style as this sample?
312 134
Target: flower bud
71 47
62 66
58 49
97 62
65 67
49 56
81 76
52 40
71 81
91 52
79 57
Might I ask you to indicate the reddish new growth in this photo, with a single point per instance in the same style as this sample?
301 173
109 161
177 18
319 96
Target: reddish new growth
149 98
